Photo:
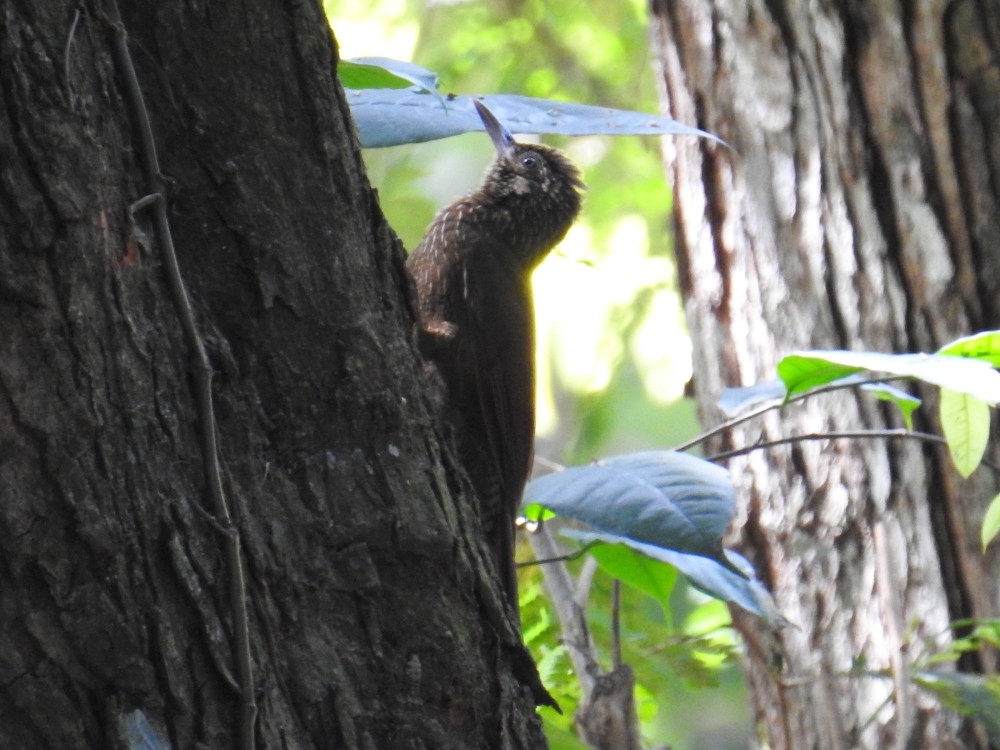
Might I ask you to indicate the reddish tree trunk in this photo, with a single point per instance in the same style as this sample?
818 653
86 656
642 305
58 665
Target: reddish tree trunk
857 210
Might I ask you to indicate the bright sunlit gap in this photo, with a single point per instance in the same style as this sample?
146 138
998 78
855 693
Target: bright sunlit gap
363 32
581 292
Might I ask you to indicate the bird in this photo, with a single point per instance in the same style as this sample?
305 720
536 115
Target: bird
475 329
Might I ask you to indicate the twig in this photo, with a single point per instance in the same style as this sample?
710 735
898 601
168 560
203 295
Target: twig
775 405
559 558
203 381
763 445
728 425
616 623
927 437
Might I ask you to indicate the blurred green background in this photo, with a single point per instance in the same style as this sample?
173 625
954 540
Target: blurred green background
614 353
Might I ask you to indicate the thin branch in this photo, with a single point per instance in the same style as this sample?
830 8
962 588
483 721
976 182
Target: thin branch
900 433
848 434
728 425
559 558
616 623
203 380
775 405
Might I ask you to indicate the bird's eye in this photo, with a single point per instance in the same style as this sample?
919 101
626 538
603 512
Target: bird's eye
529 161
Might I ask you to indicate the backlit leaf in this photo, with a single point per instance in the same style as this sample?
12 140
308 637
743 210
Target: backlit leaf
639 571
965 421
984 346
803 371
991 521
906 402
385 73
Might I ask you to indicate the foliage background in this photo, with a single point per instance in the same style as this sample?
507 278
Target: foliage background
614 354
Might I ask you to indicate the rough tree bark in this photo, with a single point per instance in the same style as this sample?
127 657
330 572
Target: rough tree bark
373 620
858 210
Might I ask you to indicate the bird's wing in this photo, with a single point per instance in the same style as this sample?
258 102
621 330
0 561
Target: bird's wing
500 308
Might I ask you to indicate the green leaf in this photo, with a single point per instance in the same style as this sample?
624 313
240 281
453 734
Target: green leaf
906 402
360 76
707 617
385 73
977 696
977 634
991 522
638 571
984 346
535 512
803 371
965 421
713 641
387 117
736 400
663 498
741 588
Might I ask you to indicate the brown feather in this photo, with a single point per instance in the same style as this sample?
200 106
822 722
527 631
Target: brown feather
472 273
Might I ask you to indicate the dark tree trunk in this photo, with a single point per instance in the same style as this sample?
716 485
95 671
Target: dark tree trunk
373 621
859 210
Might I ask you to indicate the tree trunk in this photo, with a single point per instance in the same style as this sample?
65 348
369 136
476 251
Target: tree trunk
373 621
857 210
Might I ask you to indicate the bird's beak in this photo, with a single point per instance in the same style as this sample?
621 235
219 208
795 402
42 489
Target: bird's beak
501 137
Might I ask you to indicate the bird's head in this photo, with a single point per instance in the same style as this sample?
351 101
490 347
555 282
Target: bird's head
538 187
